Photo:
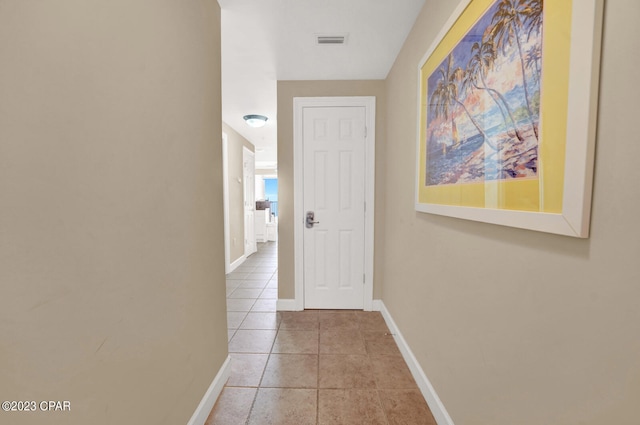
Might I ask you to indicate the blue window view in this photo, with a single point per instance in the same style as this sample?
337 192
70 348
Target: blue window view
271 193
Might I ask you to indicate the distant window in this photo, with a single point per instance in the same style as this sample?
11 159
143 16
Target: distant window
271 193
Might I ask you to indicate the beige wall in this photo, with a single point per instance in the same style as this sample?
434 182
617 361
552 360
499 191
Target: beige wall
514 326
111 252
287 90
236 191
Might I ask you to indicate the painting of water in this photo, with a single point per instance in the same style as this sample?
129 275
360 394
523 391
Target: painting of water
483 111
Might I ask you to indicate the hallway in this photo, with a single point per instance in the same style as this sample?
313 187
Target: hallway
309 367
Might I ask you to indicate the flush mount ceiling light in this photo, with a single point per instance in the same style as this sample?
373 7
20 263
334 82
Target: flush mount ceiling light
255 120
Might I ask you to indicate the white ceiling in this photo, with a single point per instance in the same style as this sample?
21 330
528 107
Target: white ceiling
264 41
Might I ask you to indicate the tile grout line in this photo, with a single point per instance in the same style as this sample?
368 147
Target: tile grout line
263 371
377 390
268 354
255 397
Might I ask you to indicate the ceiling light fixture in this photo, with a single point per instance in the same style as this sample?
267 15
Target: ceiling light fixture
255 121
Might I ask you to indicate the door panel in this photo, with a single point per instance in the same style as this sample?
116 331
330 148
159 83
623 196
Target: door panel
334 188
249 187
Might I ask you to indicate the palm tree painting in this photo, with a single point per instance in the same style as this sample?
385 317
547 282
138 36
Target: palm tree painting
483 110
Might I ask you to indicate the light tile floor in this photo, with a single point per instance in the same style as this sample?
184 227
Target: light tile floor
326 367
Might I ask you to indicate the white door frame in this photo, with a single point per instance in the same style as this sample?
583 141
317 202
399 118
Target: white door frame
225 198
248 154
299 103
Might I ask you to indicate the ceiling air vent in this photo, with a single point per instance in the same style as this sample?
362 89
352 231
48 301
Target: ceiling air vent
331 39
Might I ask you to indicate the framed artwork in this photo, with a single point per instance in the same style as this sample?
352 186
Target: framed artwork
507 114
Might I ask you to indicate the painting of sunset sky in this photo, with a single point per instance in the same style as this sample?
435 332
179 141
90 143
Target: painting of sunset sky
483 110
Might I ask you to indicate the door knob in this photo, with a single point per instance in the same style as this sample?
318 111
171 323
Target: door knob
309 221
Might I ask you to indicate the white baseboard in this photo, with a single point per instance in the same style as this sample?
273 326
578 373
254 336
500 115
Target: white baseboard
376 305
428 392
287 305
203 410
237 263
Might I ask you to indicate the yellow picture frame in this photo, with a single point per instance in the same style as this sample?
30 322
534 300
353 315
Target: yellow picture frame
552 191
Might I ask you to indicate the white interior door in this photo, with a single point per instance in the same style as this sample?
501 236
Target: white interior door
333 144
249 188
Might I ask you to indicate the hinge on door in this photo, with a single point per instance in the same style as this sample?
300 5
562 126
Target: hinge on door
365 131
363 278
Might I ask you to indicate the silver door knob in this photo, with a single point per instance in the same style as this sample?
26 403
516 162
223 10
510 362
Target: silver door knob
309 220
